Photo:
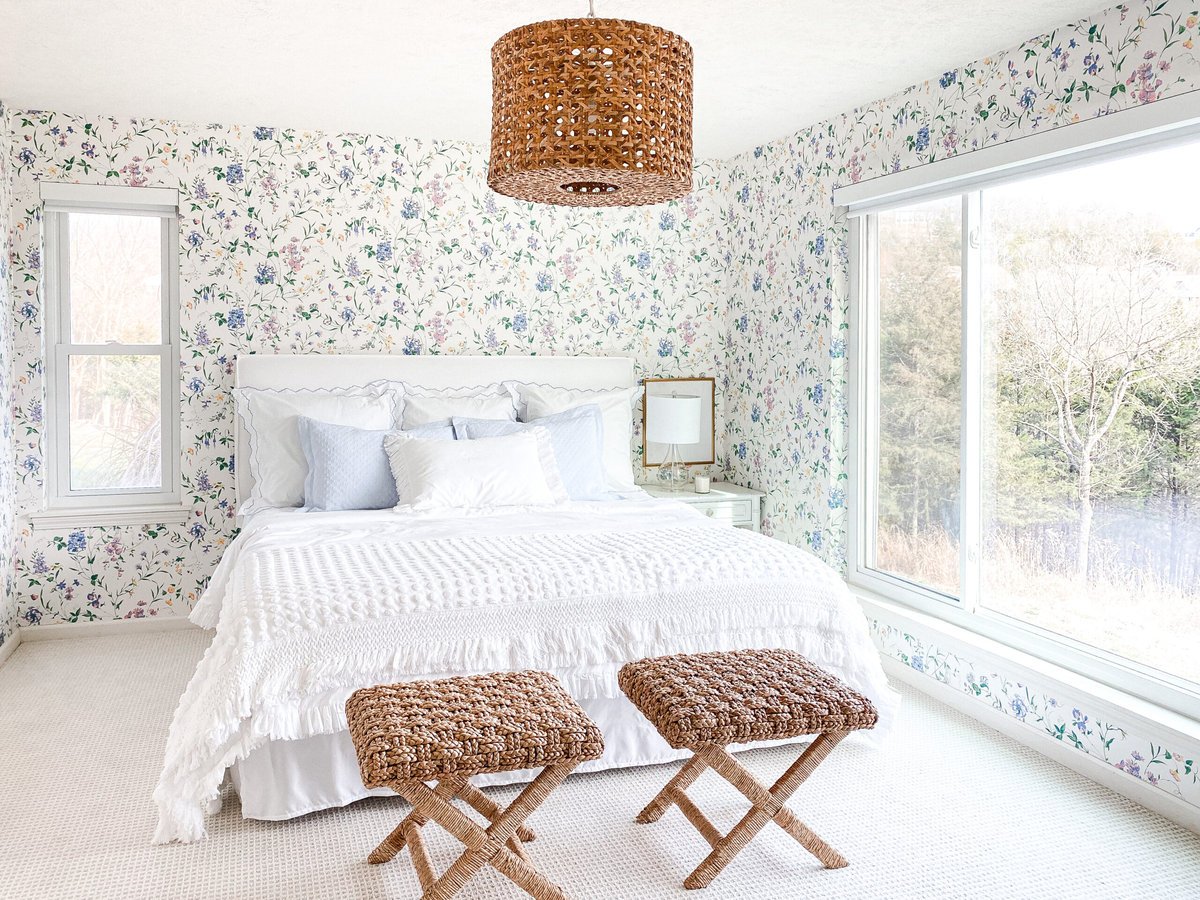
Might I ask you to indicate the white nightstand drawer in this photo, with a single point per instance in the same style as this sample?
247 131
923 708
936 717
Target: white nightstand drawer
727 503
735 512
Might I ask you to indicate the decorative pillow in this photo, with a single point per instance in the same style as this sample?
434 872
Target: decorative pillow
425 405
348 468
577 437
271 418
514 470
616 411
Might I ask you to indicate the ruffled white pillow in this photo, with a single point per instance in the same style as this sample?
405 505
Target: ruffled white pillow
514 470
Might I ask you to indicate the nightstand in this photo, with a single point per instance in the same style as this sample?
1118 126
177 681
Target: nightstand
727 502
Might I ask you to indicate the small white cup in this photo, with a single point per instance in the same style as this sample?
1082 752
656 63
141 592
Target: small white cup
703 484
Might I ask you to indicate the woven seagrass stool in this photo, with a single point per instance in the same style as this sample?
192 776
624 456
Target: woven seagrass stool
705 701
446 731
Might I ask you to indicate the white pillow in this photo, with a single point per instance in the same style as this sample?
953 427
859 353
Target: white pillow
426 406
514 470
616 412
271 419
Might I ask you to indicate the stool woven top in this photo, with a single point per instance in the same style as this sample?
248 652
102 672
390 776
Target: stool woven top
426 730
739 696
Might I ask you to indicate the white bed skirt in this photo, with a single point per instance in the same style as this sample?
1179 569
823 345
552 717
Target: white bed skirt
285 779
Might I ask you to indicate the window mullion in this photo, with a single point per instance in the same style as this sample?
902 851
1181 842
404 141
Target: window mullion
868 347
971 439
170 429
62 329
871 317
56 445
112 348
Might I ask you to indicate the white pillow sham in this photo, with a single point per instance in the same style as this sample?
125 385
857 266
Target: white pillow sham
514 470
427 406
616 413
271 419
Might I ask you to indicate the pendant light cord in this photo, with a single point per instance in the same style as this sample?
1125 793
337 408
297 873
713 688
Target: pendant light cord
591 9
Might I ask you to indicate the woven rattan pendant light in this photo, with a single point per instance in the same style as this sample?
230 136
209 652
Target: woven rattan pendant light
591 112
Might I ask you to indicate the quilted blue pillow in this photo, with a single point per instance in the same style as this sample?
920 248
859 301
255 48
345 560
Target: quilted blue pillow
577 436
348 468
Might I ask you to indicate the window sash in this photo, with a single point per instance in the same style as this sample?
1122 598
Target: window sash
110 199
59 493
1123 674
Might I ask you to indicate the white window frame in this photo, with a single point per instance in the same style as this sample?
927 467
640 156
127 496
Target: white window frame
1172 121
77 508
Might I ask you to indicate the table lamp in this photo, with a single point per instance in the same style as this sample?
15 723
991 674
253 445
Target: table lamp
673 420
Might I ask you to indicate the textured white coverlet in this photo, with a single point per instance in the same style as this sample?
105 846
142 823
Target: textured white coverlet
309 607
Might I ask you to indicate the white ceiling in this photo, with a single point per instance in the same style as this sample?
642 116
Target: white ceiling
422 69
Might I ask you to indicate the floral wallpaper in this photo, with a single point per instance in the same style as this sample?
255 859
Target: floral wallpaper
784 343
1173 769
8 609
295 241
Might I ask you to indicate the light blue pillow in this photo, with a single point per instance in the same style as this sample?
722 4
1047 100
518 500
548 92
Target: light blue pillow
577 436
348 467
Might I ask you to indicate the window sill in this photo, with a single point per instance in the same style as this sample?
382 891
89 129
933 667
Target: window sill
168 514
985 651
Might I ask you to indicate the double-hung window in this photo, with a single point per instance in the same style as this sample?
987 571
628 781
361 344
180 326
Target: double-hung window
112 354
1026 438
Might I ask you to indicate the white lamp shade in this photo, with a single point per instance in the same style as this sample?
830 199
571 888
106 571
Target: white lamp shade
673 420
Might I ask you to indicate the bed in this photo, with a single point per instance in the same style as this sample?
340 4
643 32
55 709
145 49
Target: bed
308 606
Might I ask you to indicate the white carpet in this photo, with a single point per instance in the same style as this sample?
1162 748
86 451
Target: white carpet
950 809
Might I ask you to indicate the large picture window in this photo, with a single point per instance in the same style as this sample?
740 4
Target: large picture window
112 348
1029 409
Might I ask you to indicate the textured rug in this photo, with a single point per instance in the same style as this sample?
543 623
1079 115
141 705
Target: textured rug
949 809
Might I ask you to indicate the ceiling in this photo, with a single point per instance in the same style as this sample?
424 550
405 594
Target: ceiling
422 69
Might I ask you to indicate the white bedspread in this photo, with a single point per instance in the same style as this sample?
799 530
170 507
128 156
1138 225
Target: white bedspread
309 607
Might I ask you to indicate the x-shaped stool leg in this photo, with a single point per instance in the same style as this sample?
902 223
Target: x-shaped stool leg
497 845
449 788
768 806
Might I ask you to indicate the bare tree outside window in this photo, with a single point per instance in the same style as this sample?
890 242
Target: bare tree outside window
1092 316
1091 403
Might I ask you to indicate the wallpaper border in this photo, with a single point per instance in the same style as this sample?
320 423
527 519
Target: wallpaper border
1156 756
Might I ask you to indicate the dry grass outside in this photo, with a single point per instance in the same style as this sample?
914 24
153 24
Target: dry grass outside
1128 612
929 557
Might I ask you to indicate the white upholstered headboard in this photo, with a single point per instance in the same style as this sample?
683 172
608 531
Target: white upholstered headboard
317 370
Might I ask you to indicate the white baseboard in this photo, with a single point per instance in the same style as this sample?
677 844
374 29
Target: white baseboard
61 630
1097 770
10 645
